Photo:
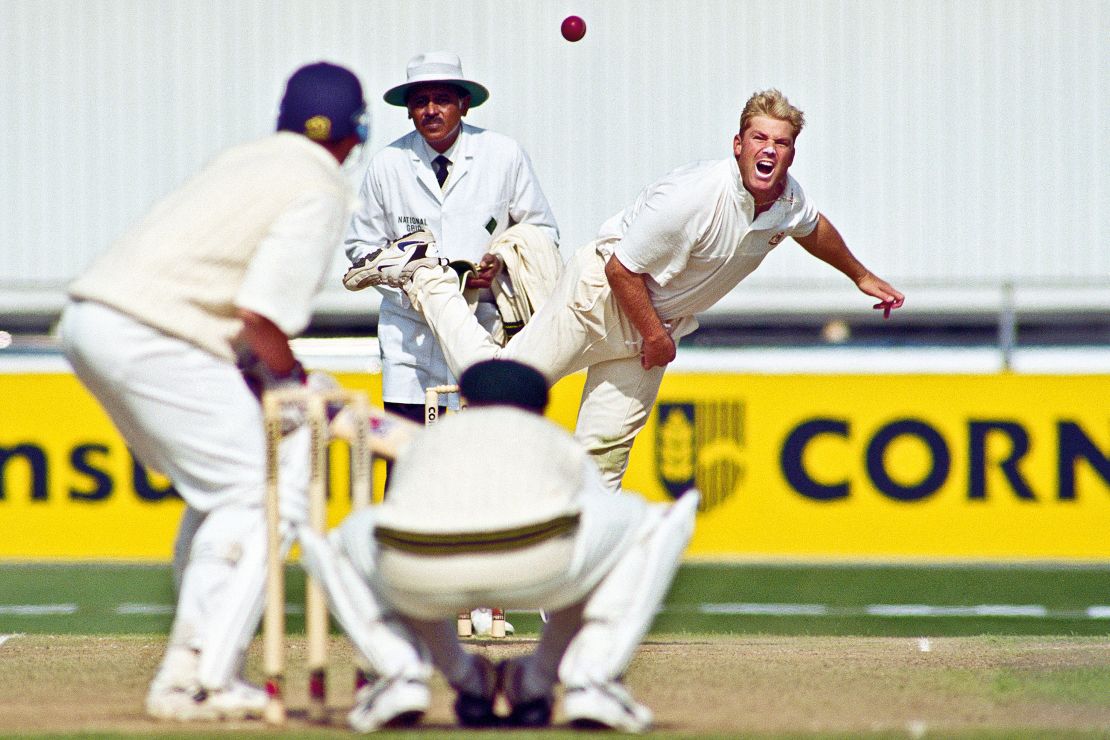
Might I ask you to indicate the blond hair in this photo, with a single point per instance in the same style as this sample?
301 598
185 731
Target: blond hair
773 104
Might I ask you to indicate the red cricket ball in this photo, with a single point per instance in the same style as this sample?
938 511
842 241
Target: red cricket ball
573 28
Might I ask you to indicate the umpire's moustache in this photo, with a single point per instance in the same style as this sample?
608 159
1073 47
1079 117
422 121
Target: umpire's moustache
506 383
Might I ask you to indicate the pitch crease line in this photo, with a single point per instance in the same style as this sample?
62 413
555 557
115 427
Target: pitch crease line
31 610
1028 611
808 610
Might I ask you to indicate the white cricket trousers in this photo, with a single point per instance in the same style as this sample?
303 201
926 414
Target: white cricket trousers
580 326
601 585
189 415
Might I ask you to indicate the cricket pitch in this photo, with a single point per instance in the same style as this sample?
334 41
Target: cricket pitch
696 685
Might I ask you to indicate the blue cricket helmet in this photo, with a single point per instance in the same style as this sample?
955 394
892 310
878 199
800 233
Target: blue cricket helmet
324 102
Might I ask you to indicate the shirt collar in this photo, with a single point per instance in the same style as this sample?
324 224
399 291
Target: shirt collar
455 151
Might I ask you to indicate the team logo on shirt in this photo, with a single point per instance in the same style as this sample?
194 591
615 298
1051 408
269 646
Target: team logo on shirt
700 445
412 223
777 238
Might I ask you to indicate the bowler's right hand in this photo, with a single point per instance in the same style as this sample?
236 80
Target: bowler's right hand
657 352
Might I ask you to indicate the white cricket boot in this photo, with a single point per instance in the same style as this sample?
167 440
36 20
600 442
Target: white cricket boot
174 692
395 264
240 700
481 620
179 704
605 706
191 704
389 702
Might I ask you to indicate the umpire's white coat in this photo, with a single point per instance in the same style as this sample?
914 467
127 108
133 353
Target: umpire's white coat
491 187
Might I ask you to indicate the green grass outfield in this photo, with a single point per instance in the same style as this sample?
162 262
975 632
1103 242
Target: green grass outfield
807 599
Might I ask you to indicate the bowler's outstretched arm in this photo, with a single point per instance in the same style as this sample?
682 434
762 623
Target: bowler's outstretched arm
826 244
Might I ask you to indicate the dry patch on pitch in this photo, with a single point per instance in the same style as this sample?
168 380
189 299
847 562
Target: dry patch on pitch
726 685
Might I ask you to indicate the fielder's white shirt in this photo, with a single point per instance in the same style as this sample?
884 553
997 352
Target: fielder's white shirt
441 482
256 229
693 234
491 186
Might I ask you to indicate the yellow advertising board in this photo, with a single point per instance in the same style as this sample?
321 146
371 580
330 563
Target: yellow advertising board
70 488
1007 467
966 467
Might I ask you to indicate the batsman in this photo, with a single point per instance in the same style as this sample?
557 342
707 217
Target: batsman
541 530
179 327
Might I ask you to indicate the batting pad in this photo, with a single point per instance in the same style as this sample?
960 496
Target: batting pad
191 520
620 610
386 644
237 608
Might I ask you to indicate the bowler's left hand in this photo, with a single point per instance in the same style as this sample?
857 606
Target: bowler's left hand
876 287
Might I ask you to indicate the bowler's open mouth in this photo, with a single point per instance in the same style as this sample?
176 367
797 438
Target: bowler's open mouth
765 167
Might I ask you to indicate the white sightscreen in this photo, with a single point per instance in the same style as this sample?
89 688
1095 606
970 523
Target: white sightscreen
957 144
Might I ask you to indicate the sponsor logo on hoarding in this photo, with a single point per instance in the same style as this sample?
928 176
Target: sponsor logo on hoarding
88 463
1074 450
700 445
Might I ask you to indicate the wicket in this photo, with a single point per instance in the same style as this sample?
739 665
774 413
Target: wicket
464 624
316 406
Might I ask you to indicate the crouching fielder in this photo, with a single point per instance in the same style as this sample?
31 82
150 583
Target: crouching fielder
538 530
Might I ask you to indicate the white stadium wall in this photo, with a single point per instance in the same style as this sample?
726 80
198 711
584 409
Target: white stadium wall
959 145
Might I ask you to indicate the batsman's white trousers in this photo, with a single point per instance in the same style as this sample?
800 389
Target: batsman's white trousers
580 325
183 411
189 415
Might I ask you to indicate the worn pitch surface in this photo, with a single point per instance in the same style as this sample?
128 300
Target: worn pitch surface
727 685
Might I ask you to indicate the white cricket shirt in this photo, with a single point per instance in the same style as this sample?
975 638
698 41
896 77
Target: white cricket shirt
257 229
693 234
485 469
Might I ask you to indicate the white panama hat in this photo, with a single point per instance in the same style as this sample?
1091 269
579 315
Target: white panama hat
436 66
